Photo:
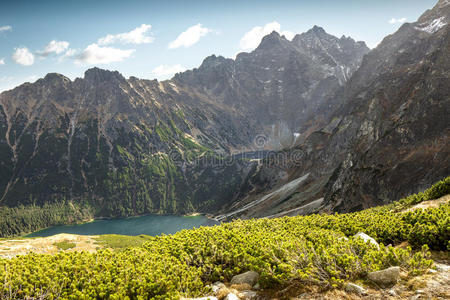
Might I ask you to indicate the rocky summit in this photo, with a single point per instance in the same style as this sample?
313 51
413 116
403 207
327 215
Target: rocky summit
281 84
317 123
388 136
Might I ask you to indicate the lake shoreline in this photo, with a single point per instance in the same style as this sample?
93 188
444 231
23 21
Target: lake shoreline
147 224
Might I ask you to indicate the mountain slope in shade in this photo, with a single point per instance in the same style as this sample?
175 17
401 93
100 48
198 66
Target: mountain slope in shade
400 99
387 139
120 146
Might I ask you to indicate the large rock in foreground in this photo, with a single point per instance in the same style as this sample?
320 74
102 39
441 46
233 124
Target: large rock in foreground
385 277
250 278
367 238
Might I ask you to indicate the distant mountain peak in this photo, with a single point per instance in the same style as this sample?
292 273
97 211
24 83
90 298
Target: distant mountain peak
317 29
213 60
55 77
272 39
98 75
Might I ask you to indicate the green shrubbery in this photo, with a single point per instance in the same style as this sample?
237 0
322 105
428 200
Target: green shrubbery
431 227
65 245
318 249
438 190
167 266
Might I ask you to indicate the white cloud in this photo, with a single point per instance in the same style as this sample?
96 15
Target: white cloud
2 61
70 52
165 71
136 36
251 39
54 47
394 20
5 28
94 54
189 37
23 56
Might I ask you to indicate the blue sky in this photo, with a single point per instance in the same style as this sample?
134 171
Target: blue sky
152 39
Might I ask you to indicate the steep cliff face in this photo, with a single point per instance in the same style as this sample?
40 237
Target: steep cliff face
396 112
281 83
388 138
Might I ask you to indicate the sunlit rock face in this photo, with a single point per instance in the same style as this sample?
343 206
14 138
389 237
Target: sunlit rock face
281 81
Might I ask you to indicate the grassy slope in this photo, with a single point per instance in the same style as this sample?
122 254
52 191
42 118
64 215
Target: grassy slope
317 249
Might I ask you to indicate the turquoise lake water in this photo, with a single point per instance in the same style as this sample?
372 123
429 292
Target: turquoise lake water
149 225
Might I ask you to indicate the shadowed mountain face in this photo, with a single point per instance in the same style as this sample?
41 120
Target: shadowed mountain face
388 138
114 144
396 112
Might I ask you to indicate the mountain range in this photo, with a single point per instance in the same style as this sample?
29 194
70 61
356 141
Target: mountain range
316 124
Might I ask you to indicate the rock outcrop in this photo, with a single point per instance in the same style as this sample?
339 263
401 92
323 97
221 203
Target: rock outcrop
385 277
250 278
387 138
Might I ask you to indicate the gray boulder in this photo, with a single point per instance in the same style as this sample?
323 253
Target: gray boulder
217 286
231 296
385 277
250 277
367 238
248 295
355 289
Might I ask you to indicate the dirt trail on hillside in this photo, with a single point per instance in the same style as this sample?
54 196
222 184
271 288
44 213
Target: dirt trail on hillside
430 203
46 245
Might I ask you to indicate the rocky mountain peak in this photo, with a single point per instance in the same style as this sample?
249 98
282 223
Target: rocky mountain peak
436 18
52 77
272 41
97 75
317 30
213 61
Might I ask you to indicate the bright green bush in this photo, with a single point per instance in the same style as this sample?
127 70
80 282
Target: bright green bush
168 266
431 227
438 190
318 249
65 245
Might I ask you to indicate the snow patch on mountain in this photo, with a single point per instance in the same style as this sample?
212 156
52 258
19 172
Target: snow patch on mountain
433 26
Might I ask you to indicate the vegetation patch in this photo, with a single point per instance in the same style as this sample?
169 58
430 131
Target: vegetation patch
116 241
65 245
315 250
26 219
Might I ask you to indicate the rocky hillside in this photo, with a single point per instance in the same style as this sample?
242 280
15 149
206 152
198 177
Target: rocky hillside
388 138
319 124
104 145
281 84
119 146
396 112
